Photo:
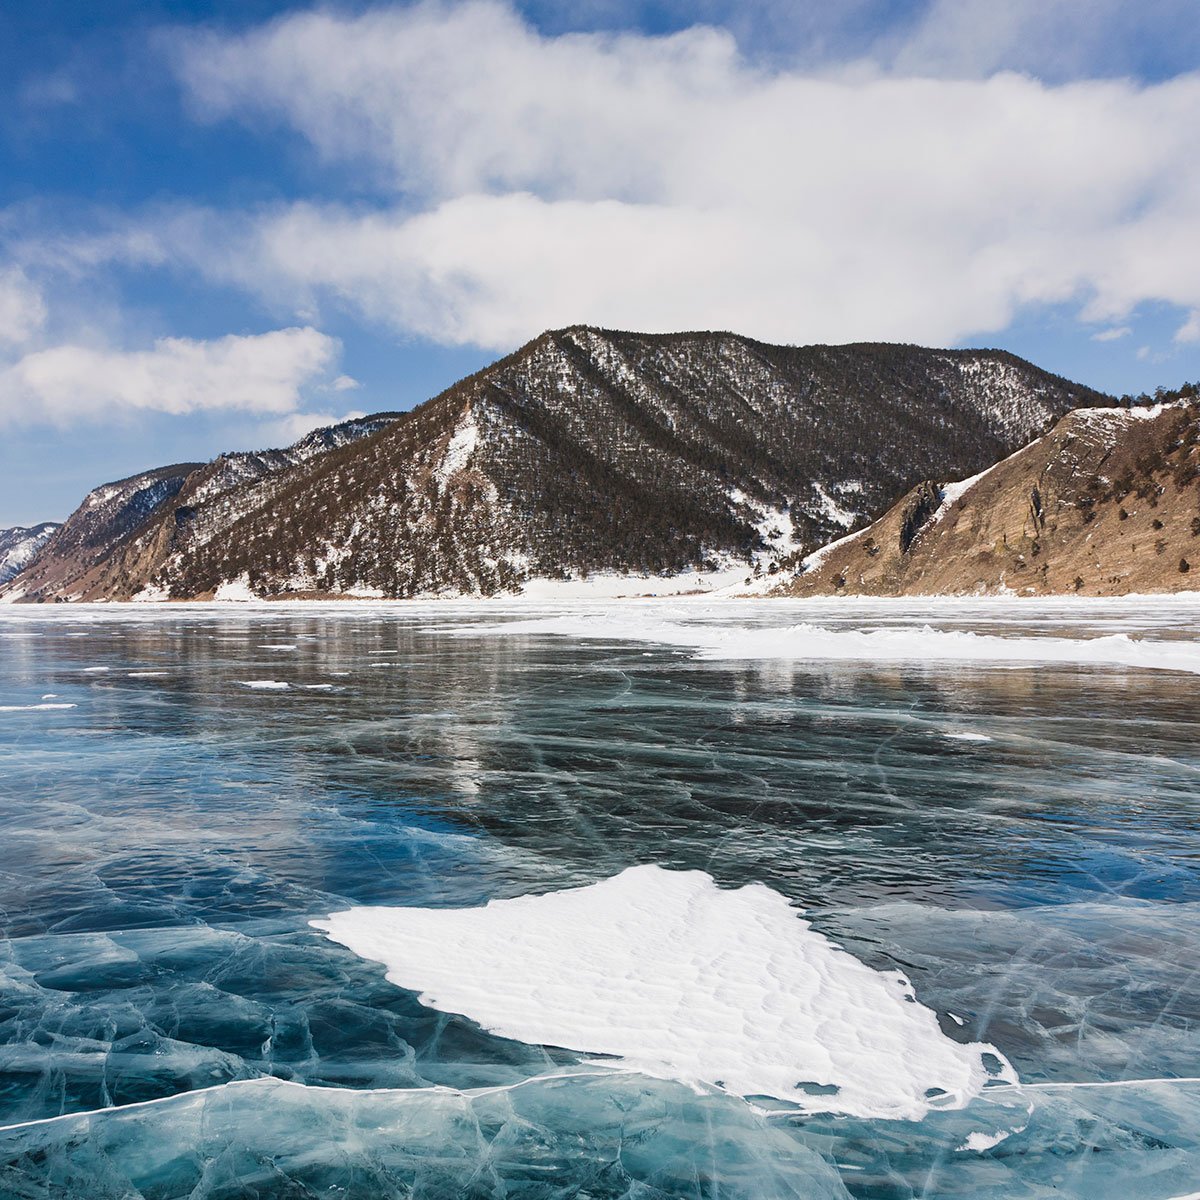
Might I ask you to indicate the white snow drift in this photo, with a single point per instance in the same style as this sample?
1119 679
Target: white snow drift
681 979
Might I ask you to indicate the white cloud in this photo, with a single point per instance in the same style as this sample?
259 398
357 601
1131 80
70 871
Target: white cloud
345 383
22 309
666 183
261 373
1052 39
1189 331
1113 334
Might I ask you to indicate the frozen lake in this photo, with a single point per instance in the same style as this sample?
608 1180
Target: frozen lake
988 813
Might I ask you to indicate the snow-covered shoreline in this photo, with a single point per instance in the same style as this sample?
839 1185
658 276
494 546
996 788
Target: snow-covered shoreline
609 589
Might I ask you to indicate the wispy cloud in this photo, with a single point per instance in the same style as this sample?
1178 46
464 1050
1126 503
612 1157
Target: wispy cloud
282 431
1113 334
22 308
1054 40
1189 331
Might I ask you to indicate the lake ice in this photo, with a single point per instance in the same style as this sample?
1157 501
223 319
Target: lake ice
676 898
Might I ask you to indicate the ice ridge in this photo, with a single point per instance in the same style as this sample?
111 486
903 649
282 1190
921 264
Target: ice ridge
806 641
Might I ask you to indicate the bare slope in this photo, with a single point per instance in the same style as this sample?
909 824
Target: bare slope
1107 503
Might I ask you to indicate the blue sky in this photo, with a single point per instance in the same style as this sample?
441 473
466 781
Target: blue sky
224 223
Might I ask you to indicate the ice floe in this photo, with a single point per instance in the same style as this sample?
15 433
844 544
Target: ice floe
680 979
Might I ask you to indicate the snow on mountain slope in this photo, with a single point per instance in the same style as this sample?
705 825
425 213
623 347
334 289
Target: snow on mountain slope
123 531
595 452
19 544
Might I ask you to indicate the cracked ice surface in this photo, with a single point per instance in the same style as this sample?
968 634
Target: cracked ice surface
1022 845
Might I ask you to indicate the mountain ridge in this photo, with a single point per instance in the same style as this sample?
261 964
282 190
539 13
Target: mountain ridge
584 451
119 526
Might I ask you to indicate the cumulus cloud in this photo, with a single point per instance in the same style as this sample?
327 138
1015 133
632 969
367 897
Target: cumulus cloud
1052 39
663 183
260 373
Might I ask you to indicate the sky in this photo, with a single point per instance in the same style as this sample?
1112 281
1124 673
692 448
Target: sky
225 223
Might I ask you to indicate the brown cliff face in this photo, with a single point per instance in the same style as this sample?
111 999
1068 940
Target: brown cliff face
1106 504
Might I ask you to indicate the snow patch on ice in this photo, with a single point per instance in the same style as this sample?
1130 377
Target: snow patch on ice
614 585
31 707
979 1142
265 685
681 979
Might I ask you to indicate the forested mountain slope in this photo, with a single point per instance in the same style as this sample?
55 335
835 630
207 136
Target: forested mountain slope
595 451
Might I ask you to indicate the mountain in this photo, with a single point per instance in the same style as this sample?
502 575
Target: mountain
124 530
587 451
18 546
1106 504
